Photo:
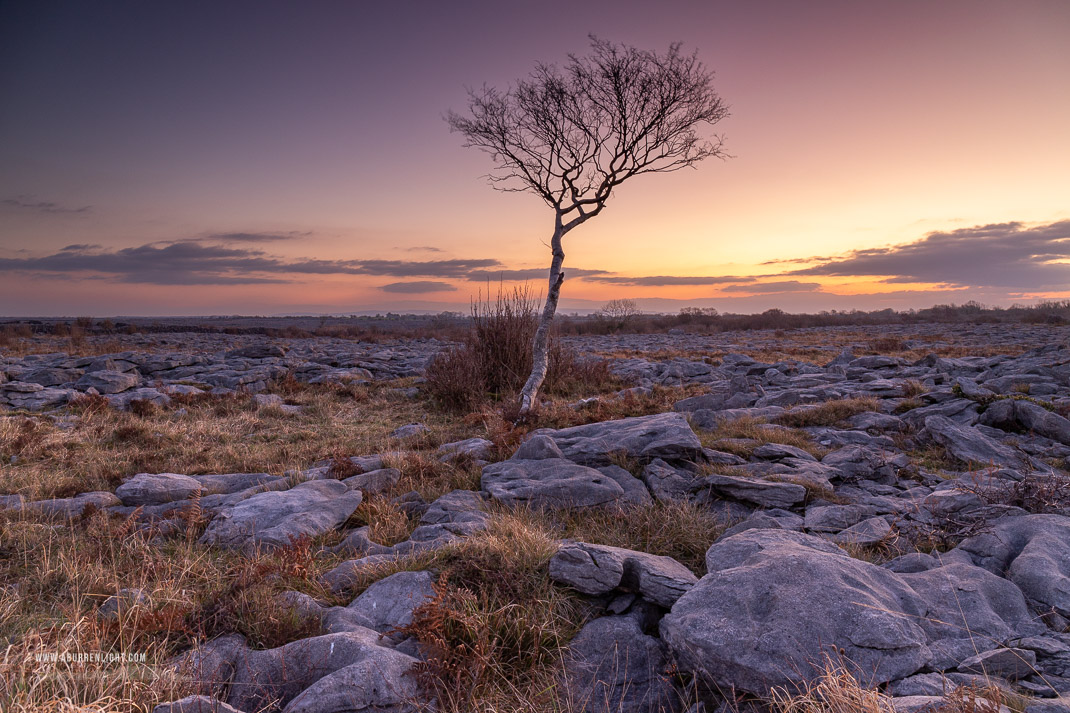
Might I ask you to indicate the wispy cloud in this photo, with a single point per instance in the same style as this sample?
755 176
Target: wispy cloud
535 273
669 280
197 262
1004 255
418 287
27 203
256 237
773 288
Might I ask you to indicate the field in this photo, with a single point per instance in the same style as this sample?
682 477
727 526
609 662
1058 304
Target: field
100 578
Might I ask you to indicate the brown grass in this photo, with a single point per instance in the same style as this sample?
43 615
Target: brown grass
205 434
728 434
829 413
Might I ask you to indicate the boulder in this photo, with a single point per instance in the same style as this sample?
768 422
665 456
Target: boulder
870 531
1021 415
108 382
257 351
1011 664
267 680
611 666
275 519
1033 552
389 603
73 507
762 493
969 445
157 488
468 449
666 435
776 602
600 569
380 682
964 601
667 483
553 482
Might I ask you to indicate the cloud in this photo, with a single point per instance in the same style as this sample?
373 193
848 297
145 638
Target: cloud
47 207
430 268
418 287
196 262
773 288
667 280
256 237
1005 255
423 248
535 273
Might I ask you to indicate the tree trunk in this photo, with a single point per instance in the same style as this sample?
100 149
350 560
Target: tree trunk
541 344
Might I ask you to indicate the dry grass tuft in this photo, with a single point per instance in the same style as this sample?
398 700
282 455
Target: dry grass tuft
742 435
829 413
497 626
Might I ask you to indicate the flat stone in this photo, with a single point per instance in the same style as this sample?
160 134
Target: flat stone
553 482
776 602
600 569
763 493
666 435
275 519
108 382
157 488
1011 664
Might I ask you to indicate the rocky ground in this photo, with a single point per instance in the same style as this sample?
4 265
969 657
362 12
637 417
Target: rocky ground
892 505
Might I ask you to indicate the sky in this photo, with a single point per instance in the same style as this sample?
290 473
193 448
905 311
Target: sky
226 157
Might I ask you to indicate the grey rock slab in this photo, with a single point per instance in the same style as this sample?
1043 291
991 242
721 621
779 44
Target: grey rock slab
611 666
269 679
964 601
108 382
157 488
870 531
210 666
195 704
1021 415
381 682
1011 664
1033 552
389 603
374 481
778 451
835 518
970 445
227 483
257 351
123 601
667 483
73 507
775 519
274 519
470 448
410 430
635 492
763 493
666 435
538 447
918 704
600 569
552 482
776 602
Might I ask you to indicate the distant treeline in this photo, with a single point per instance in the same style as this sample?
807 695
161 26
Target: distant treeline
622 318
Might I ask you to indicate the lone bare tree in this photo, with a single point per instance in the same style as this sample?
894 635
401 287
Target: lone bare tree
573 134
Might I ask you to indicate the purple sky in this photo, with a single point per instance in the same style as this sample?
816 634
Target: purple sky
268 157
